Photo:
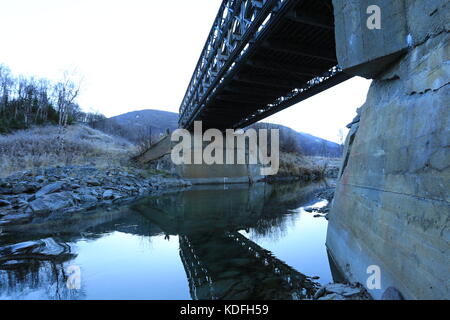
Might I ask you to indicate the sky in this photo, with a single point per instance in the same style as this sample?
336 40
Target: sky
140 54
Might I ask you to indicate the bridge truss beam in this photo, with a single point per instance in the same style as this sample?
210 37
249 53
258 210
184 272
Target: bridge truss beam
264 55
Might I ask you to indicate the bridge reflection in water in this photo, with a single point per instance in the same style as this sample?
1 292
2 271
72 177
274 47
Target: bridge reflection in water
219 261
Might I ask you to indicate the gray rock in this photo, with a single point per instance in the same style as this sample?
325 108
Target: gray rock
108 195
50 188
86 191
350 292
392 293
333 296
93 182
19 188
40 179
85 198
19 204
338 288
319 293
342 289
52 202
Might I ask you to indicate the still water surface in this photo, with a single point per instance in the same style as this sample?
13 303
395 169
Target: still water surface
234 242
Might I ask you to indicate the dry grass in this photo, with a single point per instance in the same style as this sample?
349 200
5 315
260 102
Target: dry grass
51 146
305 168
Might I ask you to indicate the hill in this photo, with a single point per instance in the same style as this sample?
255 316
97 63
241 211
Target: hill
46 146
139 125
304 143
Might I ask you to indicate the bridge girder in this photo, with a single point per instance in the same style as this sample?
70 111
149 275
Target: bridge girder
264 54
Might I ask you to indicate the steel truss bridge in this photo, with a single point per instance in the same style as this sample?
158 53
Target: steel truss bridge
261 57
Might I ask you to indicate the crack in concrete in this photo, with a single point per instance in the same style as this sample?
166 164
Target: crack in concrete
396 192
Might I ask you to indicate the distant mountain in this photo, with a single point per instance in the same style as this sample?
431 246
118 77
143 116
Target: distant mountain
304 143
138 125
157 119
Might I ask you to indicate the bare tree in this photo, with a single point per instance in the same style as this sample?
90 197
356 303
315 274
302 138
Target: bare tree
66 91
25 101
6 85
341 140
43 100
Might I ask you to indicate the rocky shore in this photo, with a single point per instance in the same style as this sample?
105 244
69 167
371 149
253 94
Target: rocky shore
335 291
323 211
342 291
41 193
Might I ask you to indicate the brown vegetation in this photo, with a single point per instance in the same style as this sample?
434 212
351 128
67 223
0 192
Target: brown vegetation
296 166
52 145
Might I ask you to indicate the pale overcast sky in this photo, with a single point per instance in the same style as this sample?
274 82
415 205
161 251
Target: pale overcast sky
140 54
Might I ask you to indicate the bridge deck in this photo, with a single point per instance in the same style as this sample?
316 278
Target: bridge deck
264 56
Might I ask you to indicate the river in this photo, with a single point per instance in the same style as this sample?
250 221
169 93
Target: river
208 242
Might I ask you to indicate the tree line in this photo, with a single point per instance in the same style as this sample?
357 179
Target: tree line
28 101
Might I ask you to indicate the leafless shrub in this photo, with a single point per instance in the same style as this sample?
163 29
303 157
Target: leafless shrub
295 165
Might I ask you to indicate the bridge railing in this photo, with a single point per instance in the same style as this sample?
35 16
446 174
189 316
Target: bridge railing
237 22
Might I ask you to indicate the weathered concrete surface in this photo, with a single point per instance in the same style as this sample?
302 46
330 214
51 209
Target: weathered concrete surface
157 150
404 24
160 152
392 203
220 173
365 52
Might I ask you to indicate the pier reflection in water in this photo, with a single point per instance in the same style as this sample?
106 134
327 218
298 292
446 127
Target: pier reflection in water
203 243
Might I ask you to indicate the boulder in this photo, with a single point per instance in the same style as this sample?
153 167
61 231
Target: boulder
50 188
87 191
86 198
93 182
392 293
52 202
108 195
40 179
342 289
332 296
23 188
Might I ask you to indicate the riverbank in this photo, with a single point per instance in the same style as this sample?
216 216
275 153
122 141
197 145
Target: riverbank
342 291
328 195
339 290
52 171
44 192
196 224
39 193
40 198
